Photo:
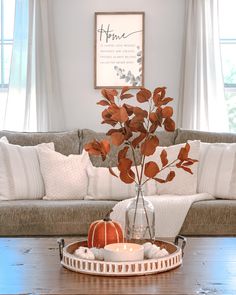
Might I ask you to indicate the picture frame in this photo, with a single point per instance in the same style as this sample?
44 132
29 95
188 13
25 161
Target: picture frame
119 49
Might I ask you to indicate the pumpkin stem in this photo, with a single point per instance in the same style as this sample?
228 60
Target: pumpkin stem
107 217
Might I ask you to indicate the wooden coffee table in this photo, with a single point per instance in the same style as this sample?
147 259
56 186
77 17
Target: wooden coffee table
31 265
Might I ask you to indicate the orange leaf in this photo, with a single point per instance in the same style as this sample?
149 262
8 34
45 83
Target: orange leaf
129 109
153 117
161 91
140 112
169 125
148 147
97 148
124 164
170 176
125 89
109 94
153 127
117 138
163 157
166 100
105 148
159 180
93 148
189 163
187 147
187 169
167 112
143 95
109 132
106 115
127 176
151 169
103 103
120 115
122 153
183 153
125 96
112 172
136 125
128 133
138 139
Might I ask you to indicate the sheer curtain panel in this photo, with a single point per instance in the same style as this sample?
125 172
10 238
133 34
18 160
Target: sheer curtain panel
202 104
34 98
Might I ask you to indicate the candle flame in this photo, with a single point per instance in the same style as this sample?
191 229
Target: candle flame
125 247
131 249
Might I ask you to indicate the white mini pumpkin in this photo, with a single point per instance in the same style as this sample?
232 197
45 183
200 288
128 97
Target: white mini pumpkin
152 251
84 253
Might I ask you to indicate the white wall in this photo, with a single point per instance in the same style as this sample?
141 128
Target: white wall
74 29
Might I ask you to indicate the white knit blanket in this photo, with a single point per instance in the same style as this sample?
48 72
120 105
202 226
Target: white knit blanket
170 212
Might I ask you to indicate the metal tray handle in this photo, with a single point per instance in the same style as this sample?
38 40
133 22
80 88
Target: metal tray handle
61 243
183 244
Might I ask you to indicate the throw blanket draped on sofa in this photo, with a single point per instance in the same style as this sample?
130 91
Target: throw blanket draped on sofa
170 212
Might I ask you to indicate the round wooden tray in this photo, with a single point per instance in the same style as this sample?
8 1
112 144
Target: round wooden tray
132 268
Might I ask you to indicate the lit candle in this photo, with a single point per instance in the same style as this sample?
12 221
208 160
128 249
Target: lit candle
123 252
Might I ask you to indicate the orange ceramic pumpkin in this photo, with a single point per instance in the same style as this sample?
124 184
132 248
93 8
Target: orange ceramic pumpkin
104 232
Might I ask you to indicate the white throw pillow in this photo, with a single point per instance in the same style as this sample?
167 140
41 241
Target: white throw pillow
184 183
104 186
20 176
4 139
64 177
217 169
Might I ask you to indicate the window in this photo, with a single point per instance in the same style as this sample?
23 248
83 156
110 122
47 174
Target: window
7 12
227 19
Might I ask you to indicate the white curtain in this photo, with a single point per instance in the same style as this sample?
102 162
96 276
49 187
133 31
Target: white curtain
50 115
34 98
17 92
202 104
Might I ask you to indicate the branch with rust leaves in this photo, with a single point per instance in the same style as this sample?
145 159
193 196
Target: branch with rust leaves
134 128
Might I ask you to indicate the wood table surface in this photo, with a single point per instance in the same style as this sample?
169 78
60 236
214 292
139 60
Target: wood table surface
32 266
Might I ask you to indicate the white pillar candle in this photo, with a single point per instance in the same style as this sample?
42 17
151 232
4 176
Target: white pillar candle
123 252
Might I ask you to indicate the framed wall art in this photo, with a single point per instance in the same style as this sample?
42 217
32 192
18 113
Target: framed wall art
119 49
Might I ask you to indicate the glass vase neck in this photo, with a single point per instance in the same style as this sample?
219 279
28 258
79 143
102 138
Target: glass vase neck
139 189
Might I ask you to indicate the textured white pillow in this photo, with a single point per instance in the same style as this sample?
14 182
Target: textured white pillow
4 139
184 183
64 177
104 186
20 176
217 169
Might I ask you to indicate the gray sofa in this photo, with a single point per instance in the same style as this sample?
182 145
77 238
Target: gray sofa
42 218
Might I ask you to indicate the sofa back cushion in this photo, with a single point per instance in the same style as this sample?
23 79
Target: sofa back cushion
183 136
65 142
20 176
87 135
65 177
217 170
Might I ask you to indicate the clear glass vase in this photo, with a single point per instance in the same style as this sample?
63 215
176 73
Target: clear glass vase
139 219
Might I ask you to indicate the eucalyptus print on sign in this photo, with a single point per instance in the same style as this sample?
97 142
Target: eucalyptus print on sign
129 77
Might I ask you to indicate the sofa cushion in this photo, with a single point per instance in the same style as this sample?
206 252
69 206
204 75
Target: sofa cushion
65 142
104 186
212 217
87 135
39 217
185 135
65 177
217 170
20 175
